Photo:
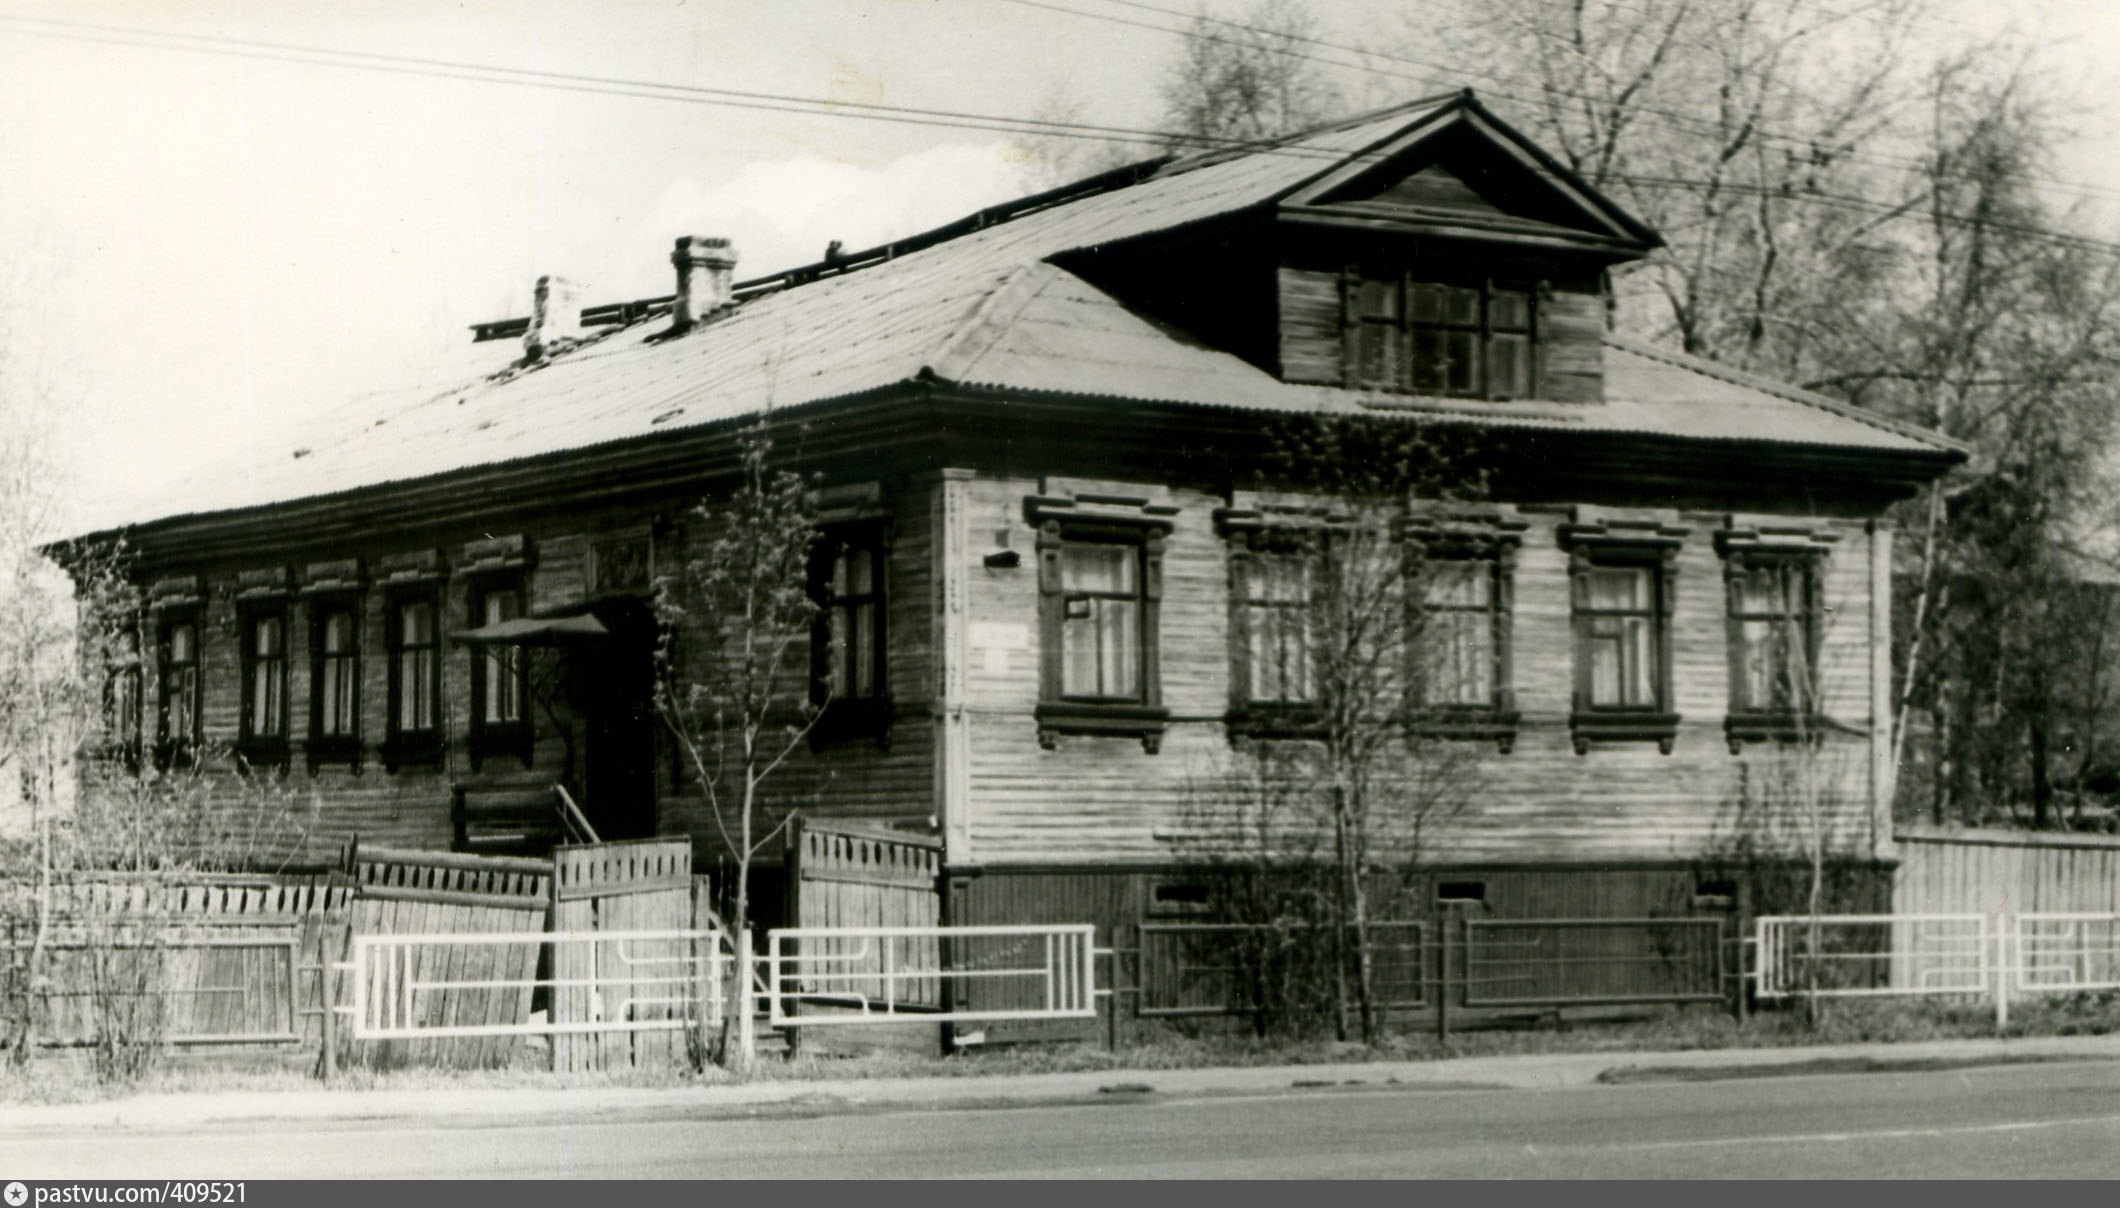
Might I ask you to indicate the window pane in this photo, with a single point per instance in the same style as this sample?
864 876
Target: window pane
415 690
1640 661
1466 583
863 653
502 606
1460 659
1426 303
338 633
1078 656
416 622
183 704
1509 365
1117 627
1429 357
1097 568
1379 299
1617 588
1462 371
267 637
1461 306
858 576
182 647
1510 310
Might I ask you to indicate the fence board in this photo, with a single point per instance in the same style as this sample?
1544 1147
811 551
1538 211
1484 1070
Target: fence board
1951 872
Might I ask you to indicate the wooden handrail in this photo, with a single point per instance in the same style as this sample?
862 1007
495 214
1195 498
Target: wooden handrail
572 820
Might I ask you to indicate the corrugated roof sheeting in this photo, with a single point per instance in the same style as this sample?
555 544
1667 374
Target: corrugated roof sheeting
982 308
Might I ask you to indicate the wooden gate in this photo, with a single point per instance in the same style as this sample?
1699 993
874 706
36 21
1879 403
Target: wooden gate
447 893
633 885
846 874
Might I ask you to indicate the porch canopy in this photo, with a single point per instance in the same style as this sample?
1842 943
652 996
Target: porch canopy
578 630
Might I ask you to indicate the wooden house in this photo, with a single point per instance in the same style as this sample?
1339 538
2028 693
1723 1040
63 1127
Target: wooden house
1045 430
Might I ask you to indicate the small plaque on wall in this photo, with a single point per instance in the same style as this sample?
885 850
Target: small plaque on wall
623 565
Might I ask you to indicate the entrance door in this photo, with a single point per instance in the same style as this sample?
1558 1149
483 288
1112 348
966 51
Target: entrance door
614 687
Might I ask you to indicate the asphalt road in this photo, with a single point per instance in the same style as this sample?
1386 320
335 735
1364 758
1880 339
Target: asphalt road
2058 1120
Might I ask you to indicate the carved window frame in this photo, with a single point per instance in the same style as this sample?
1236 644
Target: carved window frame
1491 536
1106 520
1606 541
1251 535
412 579
124 701
261 749
1747 546
175 606
334 588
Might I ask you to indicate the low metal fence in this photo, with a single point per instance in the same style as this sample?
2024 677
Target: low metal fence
638 981
1192 969
1590 962
1873 955
2061 952
871 974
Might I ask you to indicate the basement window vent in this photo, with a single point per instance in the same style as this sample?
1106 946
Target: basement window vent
1461 891
1719 895
1178 897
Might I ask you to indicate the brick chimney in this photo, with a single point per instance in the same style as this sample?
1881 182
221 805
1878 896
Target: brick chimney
706 275
555 318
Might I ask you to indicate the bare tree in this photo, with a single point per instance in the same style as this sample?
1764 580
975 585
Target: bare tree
1351 660
732 689
1248 78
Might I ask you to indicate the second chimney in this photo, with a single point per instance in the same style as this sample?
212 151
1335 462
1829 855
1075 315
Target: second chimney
706 276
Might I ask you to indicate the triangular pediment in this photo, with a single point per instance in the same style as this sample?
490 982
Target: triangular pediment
1462 166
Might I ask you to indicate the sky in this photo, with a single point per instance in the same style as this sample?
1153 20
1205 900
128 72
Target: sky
197 248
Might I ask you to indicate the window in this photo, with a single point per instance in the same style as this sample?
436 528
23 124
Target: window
1463 672
1475 341
847 649
177 704
412 642
1100 576
1275 589
121 697
1623 573
1100 622
334 681
1773 634
1459 640
1615 612
262 735
500 679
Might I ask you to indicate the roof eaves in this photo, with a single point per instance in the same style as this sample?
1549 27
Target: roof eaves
1738 377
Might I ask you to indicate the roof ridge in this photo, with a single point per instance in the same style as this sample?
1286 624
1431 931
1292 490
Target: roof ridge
1795 394
976 335
1207 157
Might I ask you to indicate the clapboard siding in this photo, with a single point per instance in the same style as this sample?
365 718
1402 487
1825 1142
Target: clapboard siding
1571 350
1096 799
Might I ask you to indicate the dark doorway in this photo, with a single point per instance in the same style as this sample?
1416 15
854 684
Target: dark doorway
612 688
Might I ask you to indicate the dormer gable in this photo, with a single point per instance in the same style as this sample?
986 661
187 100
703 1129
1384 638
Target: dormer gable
1460 172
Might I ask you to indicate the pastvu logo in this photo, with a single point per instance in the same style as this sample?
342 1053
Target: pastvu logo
17 1195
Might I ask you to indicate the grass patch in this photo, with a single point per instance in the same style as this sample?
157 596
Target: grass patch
65 1077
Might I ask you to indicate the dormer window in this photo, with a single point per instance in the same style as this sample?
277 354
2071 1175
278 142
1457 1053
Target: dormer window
1424 337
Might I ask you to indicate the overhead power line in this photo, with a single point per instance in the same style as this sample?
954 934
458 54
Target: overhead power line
469 72
1509 87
